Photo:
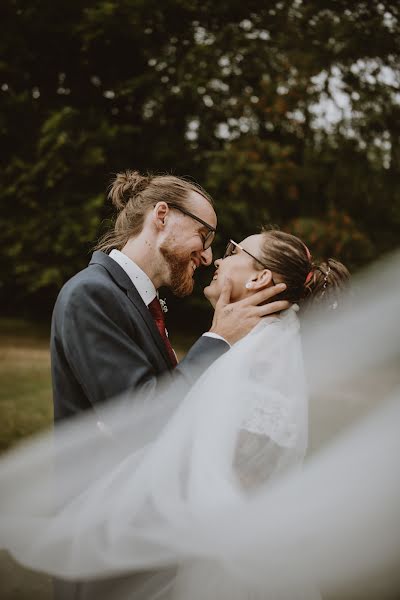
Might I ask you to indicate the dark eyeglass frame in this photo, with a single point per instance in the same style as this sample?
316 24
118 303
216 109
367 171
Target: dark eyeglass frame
208 240
228 252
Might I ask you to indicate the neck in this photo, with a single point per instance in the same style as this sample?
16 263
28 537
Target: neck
144 252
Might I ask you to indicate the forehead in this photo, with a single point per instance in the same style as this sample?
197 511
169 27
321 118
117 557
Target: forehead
201 207
252 243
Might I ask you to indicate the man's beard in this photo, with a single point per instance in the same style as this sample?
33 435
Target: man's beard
181 281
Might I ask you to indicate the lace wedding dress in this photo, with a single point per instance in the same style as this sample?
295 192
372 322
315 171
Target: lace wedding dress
205 496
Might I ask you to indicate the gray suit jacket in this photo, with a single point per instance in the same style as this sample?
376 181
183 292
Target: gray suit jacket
104 341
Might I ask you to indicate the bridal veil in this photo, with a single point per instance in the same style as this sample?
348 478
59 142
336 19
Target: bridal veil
207 493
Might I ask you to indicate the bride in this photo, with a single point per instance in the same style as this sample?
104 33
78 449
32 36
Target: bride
273 432
203 499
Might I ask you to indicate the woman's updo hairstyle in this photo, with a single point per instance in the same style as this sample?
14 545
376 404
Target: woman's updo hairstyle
326 283
133 195
307 283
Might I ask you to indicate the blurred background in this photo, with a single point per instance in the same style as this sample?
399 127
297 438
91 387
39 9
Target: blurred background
287 112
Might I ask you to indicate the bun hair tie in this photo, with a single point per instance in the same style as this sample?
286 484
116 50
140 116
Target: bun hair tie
311 273
309 277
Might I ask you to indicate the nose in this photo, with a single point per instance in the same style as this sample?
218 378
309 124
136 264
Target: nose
217 262
206 257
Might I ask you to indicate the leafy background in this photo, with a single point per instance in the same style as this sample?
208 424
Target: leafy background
286 111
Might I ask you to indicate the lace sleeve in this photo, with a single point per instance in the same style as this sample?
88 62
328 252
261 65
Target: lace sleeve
256 458
276 397
268 437
270 416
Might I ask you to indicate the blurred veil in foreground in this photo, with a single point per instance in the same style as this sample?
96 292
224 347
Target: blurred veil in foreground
146 486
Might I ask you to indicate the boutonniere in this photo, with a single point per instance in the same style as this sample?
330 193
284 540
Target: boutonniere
164 306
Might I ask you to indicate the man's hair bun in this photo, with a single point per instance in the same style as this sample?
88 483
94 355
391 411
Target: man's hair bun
127 186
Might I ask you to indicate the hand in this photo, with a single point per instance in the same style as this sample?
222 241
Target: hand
232 321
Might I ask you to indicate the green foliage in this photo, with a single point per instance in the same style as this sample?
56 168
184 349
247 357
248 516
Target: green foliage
335 235
229 93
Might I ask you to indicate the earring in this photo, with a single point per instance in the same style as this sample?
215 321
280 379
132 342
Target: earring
248 285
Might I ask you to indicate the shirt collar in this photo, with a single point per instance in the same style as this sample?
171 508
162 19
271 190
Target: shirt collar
140 280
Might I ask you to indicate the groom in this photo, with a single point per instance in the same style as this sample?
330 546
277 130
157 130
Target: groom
108 333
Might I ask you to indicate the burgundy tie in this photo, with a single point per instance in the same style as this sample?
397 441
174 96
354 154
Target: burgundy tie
158 316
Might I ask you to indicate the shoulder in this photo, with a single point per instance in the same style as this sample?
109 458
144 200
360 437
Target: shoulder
92 284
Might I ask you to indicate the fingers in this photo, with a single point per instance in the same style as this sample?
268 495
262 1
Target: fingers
225 296
266 294
273 307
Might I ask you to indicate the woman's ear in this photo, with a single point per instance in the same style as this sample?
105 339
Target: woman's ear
261 279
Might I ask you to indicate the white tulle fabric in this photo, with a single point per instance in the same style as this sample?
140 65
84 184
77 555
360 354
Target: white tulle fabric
205 497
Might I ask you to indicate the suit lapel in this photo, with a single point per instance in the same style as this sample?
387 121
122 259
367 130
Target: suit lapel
125 283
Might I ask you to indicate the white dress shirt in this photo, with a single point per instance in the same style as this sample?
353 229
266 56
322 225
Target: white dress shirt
142 282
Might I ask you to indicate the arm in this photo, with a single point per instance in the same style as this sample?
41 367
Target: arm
103 348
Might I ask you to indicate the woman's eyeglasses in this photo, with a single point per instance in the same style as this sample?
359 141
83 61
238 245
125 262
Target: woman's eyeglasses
231 248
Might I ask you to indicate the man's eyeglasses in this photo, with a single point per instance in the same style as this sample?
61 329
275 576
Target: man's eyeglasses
231 248
209 237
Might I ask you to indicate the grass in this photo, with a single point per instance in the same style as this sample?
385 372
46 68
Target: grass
25 408
25 383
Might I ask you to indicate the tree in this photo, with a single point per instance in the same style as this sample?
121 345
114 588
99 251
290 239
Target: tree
287 111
